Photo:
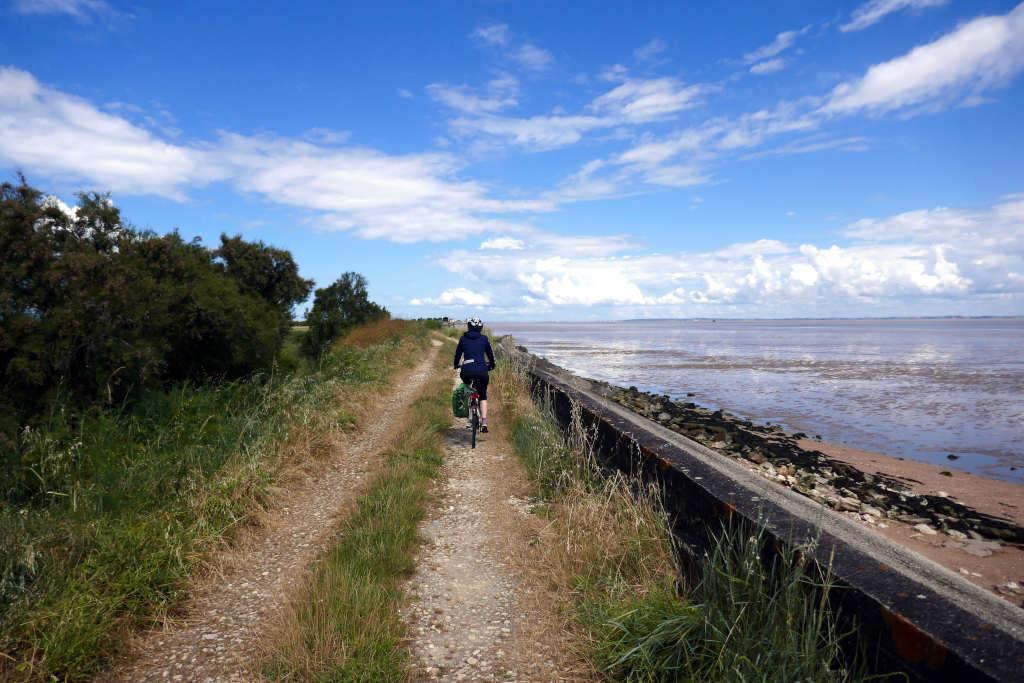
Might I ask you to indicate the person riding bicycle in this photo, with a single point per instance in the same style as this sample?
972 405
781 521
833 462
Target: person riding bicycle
479 358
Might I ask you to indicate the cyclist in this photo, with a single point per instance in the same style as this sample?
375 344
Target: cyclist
475 348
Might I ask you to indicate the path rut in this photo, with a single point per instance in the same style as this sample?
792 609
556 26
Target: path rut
219 637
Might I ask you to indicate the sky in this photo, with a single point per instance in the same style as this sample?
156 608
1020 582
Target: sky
542 160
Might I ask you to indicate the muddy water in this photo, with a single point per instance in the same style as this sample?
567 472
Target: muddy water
920 389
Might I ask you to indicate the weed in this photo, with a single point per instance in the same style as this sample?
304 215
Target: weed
346 624
610 548
107 512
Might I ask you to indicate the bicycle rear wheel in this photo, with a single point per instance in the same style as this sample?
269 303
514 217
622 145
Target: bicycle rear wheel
474 421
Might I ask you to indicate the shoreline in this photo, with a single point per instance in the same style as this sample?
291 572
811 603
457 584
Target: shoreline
968 523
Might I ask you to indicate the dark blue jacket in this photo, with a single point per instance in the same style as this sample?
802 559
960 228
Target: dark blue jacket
474 346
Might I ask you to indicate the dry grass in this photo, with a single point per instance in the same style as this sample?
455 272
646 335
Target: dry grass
605 538
375 333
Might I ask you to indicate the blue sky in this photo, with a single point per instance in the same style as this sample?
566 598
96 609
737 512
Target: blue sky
553 160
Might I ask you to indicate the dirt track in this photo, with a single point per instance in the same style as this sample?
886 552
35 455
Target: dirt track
219 635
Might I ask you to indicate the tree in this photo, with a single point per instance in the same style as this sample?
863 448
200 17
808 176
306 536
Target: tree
337 309
266 272
93 307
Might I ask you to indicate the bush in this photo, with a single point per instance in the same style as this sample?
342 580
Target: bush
93 309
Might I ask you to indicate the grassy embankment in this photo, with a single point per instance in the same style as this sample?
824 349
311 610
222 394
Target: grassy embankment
345 624
132 500
610 551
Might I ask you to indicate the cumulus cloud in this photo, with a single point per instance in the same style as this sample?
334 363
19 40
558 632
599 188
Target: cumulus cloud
980 55
508 243
872 12
460 296
955 256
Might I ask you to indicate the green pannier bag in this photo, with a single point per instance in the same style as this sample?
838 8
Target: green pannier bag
460 401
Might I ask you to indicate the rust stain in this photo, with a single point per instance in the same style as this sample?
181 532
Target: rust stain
663 464
913 644
729 509
883 567
987 627
903 595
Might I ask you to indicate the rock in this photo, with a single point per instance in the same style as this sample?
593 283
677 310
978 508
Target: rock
664 417
956 534
953 457
871 511
925 529
755 456
980 548
848 504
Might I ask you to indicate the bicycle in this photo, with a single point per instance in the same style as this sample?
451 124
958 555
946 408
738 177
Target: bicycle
474 410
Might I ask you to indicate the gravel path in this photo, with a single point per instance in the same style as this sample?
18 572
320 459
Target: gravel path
218 638
470 615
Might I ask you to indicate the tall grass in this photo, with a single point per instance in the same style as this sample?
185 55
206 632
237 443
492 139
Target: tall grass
345 626
108 511
610 547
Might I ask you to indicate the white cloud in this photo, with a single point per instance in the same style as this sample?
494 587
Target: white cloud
533 57
507 243
638 101
405 94
492 34
949 259
813 144
526 55
46 131
782 41
650 51
872 12
500 95
539 132
460 296
82 10
769 66
979 55
614 73
406 198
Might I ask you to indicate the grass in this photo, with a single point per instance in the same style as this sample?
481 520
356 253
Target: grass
108 512
610 550
346 626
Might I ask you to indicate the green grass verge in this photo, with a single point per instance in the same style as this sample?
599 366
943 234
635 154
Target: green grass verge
107 512
346 625
610 545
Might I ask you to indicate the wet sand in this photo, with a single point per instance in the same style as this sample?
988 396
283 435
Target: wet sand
1005 564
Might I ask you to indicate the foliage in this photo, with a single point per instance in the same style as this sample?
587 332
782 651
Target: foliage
127 499
337 309
265 272
92 309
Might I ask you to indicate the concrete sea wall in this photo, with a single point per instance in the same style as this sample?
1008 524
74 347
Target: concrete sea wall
917 617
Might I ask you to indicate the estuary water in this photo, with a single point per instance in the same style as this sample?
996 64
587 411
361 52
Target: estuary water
919 389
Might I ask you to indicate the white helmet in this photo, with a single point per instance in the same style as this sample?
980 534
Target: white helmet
475 323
